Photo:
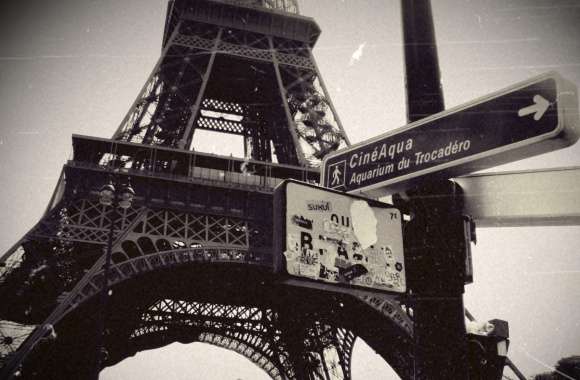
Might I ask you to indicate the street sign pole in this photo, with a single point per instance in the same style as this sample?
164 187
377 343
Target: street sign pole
436 245
422 76
434 240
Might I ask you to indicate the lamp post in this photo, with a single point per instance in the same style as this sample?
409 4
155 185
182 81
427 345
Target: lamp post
112 197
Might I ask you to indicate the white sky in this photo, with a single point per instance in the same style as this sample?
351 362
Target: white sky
76 66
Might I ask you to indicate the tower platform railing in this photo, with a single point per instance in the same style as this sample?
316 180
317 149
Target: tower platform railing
181 165
290 6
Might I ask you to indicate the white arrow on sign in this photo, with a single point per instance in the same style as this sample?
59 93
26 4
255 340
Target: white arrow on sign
539 107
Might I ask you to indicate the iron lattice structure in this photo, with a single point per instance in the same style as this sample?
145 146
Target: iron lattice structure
231 67
192 257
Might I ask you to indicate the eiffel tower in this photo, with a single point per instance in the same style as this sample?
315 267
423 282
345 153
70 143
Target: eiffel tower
192 255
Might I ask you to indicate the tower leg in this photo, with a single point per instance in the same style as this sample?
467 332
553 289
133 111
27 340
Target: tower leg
284 97
195 109
317 350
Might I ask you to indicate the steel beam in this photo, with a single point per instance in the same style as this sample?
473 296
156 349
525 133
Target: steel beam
549 197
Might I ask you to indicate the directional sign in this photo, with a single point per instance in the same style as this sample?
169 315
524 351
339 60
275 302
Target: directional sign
527 119
335 238
546 197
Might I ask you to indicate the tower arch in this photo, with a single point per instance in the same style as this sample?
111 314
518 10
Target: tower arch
200 228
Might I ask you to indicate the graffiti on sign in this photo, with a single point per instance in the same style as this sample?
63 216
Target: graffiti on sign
338 238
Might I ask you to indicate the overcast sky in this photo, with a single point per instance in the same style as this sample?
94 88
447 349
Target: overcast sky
75 66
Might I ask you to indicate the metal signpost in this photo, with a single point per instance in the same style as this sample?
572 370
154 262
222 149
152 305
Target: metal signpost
532 117
336 238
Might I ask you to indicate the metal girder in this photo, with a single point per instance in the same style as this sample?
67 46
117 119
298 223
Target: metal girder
260 334
290 6
169 102
245 50
254 68
318 129
53 257
547 197
131 268
81 220
142 233
258 17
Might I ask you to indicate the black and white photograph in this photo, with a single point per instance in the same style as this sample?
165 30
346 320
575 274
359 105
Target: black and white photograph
290 189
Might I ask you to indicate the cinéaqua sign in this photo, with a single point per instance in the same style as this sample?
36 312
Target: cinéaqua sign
533 117
339 238
391 158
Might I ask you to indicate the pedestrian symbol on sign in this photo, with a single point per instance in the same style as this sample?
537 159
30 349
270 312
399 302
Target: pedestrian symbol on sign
336 173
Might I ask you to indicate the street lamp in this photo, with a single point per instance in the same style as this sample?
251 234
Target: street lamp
114 196
108 195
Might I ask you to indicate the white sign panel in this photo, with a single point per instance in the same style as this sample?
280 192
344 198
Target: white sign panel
337 238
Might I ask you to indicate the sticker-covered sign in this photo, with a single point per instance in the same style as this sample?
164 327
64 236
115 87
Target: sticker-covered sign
343 239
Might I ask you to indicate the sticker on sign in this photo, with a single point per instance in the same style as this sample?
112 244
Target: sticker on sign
527 119
336 238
